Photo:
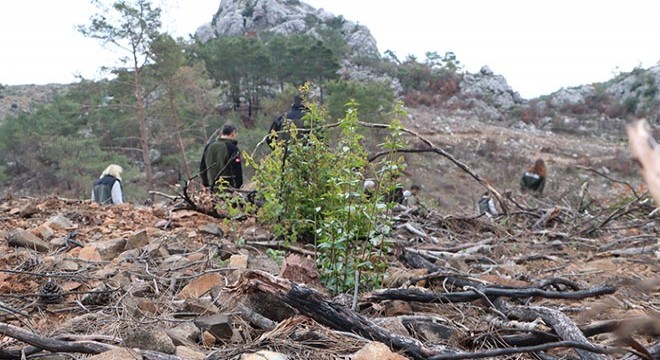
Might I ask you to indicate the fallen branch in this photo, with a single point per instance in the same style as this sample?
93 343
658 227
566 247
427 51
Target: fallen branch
45 343
529 349
560 323
280 246
426 296
310 303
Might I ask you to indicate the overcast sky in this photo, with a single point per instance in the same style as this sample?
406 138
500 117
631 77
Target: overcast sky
538 46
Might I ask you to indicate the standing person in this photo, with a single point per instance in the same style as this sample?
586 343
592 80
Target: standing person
295 115
223 159
203 169
486 205
107 188
533 180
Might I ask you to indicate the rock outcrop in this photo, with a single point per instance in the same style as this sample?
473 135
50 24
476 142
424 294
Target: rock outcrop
286 17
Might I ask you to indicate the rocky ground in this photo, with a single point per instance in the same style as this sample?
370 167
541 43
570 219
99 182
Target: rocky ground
579 264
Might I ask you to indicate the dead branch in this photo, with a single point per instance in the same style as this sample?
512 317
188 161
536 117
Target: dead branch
280 246
528 349
427 296
46 343
193 206
439 151
560 323
610 179
310 303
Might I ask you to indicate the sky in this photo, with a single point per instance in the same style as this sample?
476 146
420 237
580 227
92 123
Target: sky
538 46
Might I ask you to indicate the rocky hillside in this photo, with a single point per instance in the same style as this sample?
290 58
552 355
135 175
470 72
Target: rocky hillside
286 17
21 98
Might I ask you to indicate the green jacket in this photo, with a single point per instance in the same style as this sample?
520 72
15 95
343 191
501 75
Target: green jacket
223 159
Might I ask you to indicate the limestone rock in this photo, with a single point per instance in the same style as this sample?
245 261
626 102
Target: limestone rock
376 350
201 285
219 325
264 355
137 240
150 339
22 238
301 270
59 222
183 334
43 231
239 261
211 228
117 354
186 353
109 249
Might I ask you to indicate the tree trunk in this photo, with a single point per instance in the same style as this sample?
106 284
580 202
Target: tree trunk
177 132
144 135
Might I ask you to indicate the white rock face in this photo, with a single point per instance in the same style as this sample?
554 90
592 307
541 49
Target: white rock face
571 96
490 88
285 17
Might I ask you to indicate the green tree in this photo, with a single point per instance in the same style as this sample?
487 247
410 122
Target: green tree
169 60
132 28
374 98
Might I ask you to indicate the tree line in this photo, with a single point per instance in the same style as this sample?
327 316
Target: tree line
159 108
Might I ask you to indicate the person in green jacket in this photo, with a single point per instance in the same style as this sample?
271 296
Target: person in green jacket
223 159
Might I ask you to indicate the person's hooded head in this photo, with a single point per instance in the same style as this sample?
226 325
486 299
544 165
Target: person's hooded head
297 100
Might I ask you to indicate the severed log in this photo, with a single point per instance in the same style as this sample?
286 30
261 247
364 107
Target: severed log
427 296
560 323
311 303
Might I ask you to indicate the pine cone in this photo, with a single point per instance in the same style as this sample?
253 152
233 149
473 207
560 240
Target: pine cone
50 292
29 264
99 297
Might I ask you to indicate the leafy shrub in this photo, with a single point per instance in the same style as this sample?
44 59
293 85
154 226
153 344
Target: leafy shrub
313 192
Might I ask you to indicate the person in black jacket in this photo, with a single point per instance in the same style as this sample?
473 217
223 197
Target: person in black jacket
107 188
295 116
222 159
533 180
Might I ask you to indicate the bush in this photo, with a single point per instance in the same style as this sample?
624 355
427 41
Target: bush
313 192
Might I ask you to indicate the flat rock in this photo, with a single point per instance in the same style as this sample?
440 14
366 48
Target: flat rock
375 350
109 249
220 325
137 240
200 306
301 270
150 339
239 261
187 353
264 355
26 239
200 286
59 222
117 354
43 231
89 253
68 265
184 333
211 228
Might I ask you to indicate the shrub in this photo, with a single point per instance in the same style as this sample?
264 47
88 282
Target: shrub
313 192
